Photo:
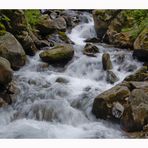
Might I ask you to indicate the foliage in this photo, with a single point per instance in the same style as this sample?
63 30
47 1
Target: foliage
3 19
32 16
140 21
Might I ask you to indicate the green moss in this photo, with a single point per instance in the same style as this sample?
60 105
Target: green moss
32 16
63 36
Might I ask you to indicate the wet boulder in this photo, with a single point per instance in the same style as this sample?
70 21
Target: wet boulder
90 49
117 110
27 43
12 50
61 54
5 72
92 40
61 80
107 64
46 25
60 24
105 106
140 75
135 115
111 77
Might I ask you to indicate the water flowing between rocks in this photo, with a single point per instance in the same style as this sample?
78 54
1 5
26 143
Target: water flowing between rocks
57 102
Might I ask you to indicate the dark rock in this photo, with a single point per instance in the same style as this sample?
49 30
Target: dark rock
46 26
90 50
39 43
140 75
107 64
141 54
111 77
93 40
62 80
27 43
59 38
104 103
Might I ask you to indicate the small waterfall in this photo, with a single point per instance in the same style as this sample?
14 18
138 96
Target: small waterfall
47 108
83 31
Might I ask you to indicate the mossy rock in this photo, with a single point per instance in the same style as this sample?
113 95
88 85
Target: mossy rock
63 36
140 75
104 103
58 54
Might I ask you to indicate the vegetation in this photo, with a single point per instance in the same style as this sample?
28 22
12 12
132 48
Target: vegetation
139 21
32 16
3 19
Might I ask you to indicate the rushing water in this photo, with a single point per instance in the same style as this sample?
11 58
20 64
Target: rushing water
46 108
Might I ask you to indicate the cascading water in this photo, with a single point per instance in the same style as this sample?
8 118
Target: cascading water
47 108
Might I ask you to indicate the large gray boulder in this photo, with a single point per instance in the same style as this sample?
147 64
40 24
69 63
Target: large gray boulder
104 103
12 50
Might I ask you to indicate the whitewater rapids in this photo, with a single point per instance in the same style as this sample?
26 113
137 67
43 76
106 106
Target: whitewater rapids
45 108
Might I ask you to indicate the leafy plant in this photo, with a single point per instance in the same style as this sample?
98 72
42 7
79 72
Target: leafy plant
32 16
3 19
140 21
